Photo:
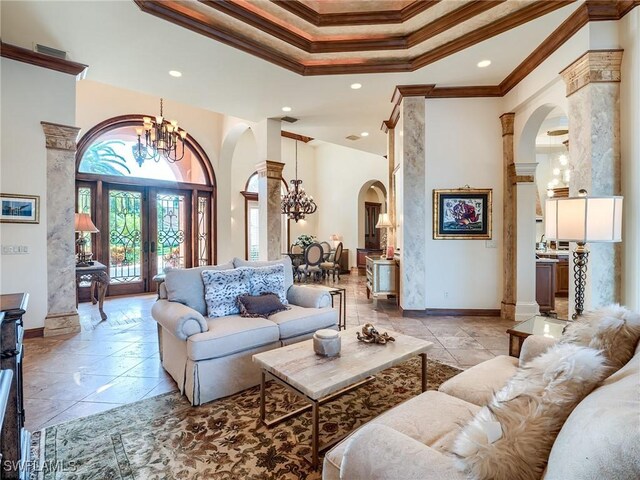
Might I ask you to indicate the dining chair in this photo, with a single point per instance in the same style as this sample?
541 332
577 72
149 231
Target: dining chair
333 266
326 248
313 255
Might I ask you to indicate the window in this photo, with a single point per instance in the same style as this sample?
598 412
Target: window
252 220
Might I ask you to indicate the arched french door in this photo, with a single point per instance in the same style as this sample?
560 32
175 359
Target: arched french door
150 216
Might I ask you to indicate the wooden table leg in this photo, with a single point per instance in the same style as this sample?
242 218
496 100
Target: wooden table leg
262 397
102 291
424 371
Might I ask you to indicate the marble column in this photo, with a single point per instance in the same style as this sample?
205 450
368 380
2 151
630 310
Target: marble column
412 265
391 192
525 185
269 142
509 213
269 197
62 315
593 93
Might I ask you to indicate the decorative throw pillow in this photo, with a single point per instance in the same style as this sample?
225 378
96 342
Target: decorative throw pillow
286 261
261 305
511 437
222 289
268 279
613 329
184 285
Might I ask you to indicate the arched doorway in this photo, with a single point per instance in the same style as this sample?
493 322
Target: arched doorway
544 141
149 216
372 201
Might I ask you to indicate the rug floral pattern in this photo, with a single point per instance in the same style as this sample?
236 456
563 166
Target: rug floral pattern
166 438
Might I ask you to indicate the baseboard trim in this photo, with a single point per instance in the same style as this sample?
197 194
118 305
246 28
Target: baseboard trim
34 332
453 312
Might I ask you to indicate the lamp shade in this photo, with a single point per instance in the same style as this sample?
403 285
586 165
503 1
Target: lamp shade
383 221
84 223
584 219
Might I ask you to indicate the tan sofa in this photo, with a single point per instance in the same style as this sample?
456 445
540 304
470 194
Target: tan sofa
600 439
210 358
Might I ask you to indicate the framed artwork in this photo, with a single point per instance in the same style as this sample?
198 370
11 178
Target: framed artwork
462 214
19 208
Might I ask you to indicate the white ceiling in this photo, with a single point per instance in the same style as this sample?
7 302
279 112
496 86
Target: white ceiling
127 48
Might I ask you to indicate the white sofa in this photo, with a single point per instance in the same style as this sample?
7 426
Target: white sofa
210 358
600 439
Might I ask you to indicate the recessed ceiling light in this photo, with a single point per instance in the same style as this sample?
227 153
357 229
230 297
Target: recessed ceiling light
286 109
356 86
364 134
484 63
175 73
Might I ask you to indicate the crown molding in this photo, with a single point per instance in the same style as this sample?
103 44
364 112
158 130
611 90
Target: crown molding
590 11
25 55
295 136
376 17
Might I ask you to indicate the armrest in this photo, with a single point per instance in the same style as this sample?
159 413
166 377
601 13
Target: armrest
533 346
308 297
377 452
180 320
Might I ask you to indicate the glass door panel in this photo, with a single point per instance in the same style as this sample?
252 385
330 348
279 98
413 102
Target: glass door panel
202 257
126 237
171 209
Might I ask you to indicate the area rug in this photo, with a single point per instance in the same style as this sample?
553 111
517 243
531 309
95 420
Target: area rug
165 438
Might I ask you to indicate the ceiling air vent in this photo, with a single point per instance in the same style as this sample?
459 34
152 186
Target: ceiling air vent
353 137
289 119
53 52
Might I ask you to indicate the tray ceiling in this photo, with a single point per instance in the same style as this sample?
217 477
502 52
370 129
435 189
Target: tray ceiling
320 37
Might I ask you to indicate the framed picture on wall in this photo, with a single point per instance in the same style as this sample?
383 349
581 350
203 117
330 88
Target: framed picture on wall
462 214
19 208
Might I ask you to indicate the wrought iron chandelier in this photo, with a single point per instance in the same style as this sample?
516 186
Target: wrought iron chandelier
295 203
159 138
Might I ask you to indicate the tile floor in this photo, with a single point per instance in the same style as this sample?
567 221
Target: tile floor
116 362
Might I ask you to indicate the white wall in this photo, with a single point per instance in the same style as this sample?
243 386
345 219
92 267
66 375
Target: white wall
342 171
29 95
629 31
463 147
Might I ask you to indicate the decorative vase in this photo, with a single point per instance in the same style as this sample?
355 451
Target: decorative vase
326 343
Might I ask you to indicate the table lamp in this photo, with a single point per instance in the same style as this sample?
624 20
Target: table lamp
583 219
83 224
385 223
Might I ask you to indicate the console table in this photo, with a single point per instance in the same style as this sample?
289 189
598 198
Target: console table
15 438
97 277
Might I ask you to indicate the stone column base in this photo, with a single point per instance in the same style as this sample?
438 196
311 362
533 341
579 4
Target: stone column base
526 310
508 311
61 324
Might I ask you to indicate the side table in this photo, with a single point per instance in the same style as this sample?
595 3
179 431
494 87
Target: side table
341 293
538 325
96 275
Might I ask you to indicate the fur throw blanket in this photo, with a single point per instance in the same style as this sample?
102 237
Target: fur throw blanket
510 439
613 329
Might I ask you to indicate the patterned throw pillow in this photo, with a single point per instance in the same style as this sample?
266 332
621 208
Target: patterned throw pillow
269 279
222 289
261 305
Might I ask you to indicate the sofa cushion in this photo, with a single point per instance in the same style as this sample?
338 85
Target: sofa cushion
268 279
286 261
432 418
601 437
229 335
478 384
298 320
184 285
512 436
262 305
222 289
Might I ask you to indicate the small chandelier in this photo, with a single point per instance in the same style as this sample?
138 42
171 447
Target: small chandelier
159 138
295 203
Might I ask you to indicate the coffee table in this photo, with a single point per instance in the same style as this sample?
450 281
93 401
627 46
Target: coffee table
321 379
538 325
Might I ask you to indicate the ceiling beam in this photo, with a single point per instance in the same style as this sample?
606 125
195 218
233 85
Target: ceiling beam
25 55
